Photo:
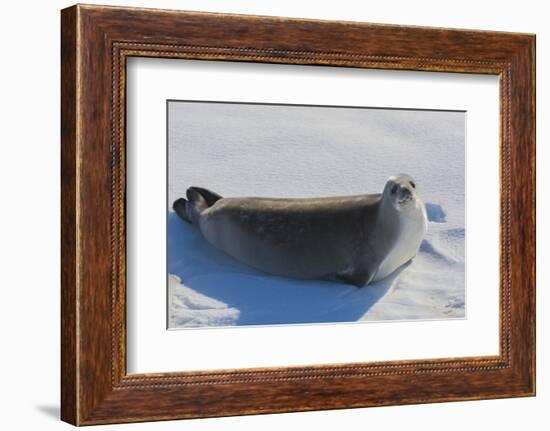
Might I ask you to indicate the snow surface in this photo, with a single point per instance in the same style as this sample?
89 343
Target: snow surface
294 151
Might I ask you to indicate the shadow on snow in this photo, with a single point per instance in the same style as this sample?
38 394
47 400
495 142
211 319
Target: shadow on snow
262 298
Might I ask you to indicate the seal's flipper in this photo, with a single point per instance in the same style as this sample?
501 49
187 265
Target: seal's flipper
198 199
358 278
180 207
208 195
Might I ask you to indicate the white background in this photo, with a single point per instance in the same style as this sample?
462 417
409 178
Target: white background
152 349
29 236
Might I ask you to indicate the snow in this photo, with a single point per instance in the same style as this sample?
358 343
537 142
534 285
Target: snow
294 151
191 308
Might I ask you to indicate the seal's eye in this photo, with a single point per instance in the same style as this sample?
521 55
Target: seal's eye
394 189
413 185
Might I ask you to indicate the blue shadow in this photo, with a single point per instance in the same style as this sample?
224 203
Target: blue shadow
262 298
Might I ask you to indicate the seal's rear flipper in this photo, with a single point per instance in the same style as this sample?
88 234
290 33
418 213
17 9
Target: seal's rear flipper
198 199
180 207
208 195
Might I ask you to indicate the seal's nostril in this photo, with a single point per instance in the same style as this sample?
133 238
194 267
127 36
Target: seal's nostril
404 192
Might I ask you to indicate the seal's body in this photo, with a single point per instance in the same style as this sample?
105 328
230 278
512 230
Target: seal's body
355 239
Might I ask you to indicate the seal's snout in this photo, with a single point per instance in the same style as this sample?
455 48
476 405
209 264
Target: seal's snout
404 192
404 195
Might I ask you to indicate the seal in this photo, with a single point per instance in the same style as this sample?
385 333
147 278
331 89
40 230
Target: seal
353 239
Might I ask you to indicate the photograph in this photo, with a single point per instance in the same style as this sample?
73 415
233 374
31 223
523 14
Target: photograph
284 214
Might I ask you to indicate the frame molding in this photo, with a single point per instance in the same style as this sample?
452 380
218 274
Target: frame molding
95 43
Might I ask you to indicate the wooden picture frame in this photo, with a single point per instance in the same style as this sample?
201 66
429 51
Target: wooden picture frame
95 43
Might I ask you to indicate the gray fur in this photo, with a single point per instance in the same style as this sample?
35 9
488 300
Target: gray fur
337 238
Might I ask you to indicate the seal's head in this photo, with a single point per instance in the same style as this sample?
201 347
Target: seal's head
400 191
